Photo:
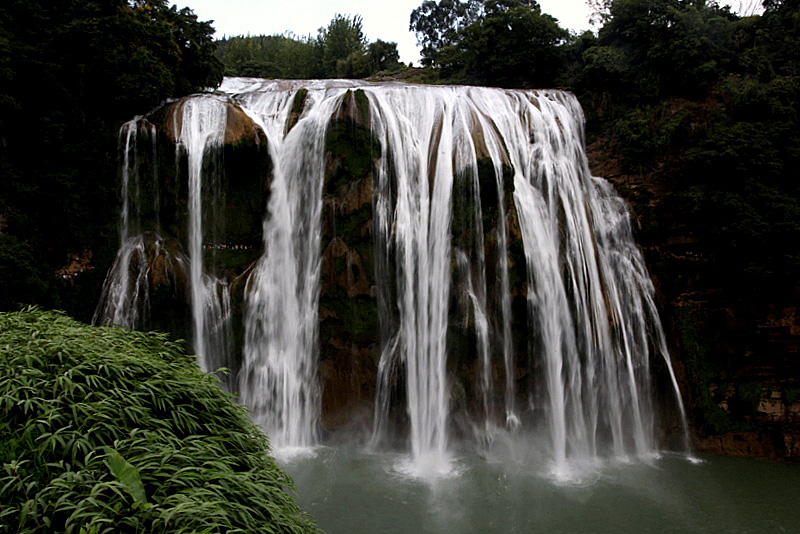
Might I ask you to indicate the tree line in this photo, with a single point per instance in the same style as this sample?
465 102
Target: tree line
340 50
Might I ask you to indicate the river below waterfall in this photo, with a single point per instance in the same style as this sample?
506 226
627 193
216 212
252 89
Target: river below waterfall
348 491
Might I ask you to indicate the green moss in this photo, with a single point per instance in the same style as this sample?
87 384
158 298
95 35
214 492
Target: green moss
362 102
355 321
708 412
298 105
350 146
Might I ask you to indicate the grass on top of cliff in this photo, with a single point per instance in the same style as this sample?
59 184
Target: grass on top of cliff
109 430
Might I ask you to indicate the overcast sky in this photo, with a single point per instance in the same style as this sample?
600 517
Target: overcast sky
383 19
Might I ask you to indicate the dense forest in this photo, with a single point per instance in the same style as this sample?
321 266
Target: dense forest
692 111
72 72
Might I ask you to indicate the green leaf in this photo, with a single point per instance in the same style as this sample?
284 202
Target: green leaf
126 474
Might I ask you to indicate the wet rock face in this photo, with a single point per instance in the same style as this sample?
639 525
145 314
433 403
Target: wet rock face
349 320
237 177
239 127
768 446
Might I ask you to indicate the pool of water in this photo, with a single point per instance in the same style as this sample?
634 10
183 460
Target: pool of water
348 490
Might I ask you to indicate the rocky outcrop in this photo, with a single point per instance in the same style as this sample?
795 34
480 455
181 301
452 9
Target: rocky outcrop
237 178
348 308
239 128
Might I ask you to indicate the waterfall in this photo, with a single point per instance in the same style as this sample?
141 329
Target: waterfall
281 330
120 303
125 298
199 131
417 137
482 206
202 128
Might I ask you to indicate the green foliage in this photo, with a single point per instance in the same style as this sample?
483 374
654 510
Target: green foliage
126 474
649 132
343 46
383 56
70 73
437 25
507 43
271 56
516 47
706 103
703 368
108 430
671 47
340 50
349 144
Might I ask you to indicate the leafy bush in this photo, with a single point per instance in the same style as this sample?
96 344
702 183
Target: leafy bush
108 430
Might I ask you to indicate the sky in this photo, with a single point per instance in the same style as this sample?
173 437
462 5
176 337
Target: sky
382 19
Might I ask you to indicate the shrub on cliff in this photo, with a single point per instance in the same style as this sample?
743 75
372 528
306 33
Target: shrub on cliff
108 430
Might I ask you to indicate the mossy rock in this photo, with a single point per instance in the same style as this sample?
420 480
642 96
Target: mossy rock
298 105
351 150
350 320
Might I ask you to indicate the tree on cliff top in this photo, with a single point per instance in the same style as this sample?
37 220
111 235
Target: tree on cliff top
507 43
343 46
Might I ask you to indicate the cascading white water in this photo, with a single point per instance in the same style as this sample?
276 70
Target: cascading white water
126 292
115 306
589 313
202 129
417 136
593 325
125 299
279 382
591 301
